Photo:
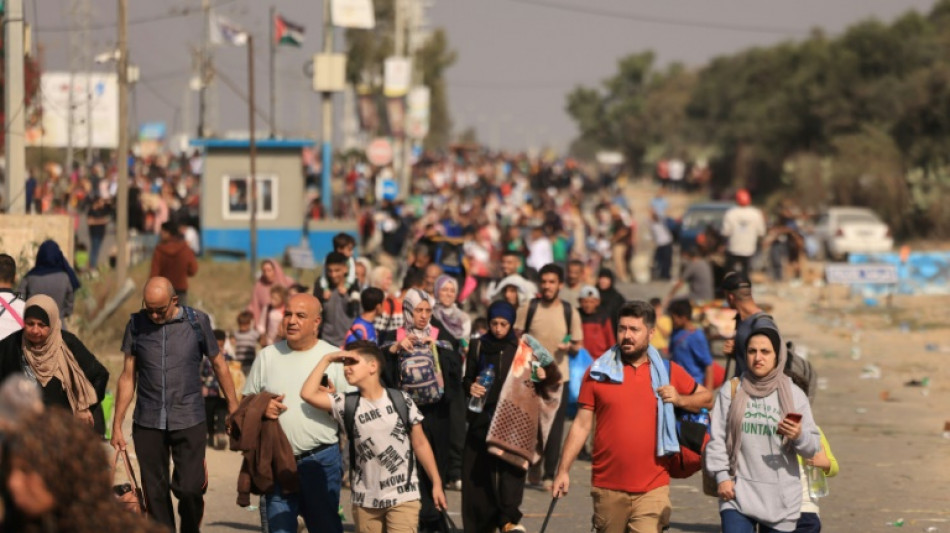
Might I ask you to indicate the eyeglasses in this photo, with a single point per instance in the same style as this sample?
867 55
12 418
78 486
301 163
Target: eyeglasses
158 311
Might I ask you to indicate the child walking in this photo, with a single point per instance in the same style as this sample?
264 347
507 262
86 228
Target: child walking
269 323
371 302
245 340
216 406
385 488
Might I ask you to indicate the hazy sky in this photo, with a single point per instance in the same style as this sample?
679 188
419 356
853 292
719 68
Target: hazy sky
517 59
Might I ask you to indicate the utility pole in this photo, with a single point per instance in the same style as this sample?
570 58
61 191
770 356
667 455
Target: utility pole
399 45
86 61
273 76
15 124
122 159
203 71
327 112
252 148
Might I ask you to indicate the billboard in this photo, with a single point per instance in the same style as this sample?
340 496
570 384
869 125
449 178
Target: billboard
95 101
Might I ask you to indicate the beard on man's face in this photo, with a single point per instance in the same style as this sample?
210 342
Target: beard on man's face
629 350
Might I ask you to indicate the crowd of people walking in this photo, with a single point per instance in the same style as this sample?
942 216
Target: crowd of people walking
437 350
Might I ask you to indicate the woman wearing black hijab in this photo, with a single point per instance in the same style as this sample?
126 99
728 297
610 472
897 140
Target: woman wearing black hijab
492 487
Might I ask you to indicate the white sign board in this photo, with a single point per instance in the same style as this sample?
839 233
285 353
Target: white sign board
356 14
397 73
95 102
858 274
417 114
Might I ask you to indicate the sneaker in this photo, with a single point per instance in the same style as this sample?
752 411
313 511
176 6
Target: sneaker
454 485
513 527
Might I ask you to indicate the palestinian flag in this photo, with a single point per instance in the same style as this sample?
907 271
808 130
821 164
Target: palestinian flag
286 32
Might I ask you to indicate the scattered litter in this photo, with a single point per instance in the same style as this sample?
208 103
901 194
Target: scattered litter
946 429
251 508
862 410
885 396
934 347
896 523
855 353
871 372
822 383
925 382
931 529
905 327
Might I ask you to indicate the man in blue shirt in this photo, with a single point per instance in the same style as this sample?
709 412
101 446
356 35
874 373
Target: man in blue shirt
688 345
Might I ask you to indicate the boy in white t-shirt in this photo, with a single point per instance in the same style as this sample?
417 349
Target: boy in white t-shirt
385 489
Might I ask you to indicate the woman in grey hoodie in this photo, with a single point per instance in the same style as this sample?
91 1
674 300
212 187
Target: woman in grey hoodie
756 436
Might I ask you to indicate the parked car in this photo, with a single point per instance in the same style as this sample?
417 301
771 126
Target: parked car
846 230
699 216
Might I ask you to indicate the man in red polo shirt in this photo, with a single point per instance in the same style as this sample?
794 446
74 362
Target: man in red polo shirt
630 482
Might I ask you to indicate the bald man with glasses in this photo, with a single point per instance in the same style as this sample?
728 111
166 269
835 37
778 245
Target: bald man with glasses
164 344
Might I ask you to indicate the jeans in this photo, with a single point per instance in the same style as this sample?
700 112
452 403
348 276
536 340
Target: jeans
735 522
317 502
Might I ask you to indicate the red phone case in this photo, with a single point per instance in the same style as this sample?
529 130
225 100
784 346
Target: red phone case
794 417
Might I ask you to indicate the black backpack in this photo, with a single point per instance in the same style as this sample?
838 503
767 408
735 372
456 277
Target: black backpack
351 403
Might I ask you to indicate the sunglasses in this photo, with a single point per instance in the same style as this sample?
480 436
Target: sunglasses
159 311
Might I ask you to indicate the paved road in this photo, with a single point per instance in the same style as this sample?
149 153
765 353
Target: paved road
693 511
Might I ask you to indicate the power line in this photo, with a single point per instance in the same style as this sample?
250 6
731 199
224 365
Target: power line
185 12
669 21
158 95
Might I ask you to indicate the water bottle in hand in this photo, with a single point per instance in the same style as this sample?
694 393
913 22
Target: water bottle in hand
485 379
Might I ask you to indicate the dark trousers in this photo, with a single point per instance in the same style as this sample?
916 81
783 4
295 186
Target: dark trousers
737 263
189 481
663 261
492 490
552 449
457 430
216 414
97 233
808 523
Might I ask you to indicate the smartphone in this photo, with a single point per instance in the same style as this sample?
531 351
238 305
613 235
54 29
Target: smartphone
794 417
325 382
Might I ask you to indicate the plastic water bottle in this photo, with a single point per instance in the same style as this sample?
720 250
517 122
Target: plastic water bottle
817 483
485 379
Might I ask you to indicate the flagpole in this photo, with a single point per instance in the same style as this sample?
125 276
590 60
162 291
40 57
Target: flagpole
252 149
273 91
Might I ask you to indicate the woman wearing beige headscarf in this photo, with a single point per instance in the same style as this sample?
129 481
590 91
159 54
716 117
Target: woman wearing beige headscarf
68 374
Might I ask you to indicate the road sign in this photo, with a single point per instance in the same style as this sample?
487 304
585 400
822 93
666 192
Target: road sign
380 152
857 274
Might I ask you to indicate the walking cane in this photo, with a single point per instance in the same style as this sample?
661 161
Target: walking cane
544 525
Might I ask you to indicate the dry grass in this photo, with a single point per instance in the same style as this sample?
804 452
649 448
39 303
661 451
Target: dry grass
220 289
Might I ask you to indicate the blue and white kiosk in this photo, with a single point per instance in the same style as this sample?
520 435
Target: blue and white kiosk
281 201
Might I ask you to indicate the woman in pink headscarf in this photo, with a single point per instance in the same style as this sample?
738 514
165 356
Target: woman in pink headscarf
271 274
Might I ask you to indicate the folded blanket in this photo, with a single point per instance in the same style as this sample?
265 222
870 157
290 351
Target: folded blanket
523 419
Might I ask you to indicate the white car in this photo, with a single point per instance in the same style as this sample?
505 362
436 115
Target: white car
845 230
